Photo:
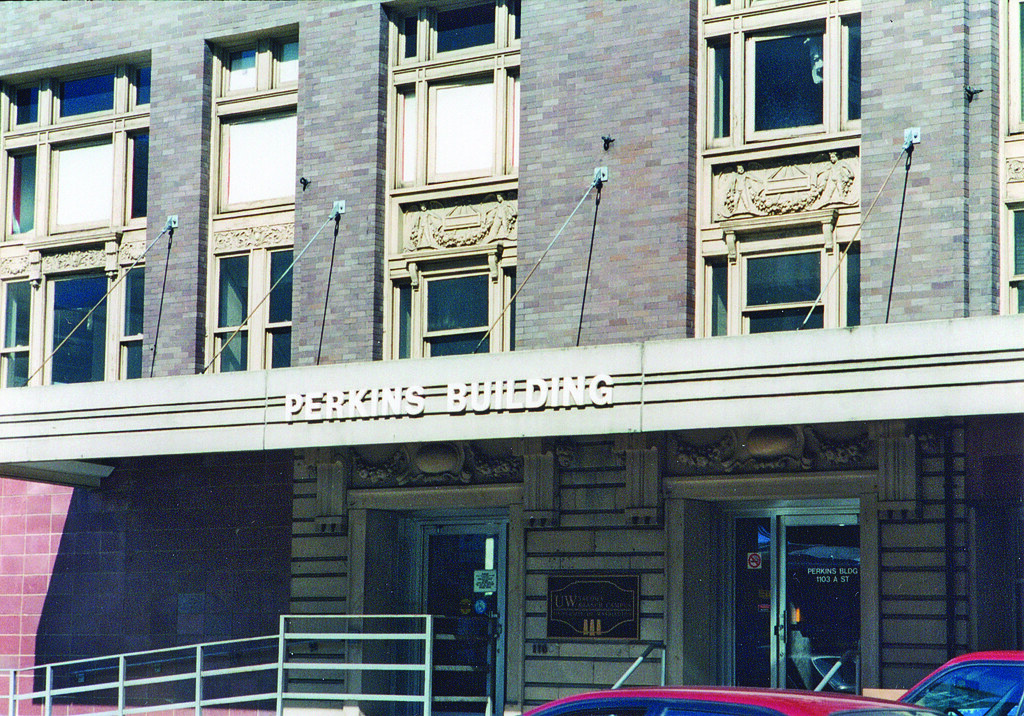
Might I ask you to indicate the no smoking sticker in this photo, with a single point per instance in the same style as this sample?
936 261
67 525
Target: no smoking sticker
753 560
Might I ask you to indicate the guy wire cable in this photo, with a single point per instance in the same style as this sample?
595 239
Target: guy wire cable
596 182
842 254
335 213
327 291
590 256
899 229
167 228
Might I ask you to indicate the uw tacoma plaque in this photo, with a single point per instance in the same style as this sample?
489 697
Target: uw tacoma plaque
594 606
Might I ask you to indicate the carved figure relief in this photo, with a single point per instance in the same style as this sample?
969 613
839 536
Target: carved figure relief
771 449
430 464
13 266
451 223
254 237
131 252
73 260
1015 170
777 188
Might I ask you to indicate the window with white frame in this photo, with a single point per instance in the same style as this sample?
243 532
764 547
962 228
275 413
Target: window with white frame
794 279
765 83
779 184
255 97
453 176
76 151
1015 261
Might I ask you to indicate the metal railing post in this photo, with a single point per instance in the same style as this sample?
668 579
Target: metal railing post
280 663
122 676
428 666
12 708
48 708
199 681
639 660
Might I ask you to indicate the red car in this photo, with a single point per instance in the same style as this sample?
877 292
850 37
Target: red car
723 700
986 683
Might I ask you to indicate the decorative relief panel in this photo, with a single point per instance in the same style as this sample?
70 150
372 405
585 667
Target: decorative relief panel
74 260
774 188
130 252
455 223
13 266
772 449
1015 170
431 464
254 237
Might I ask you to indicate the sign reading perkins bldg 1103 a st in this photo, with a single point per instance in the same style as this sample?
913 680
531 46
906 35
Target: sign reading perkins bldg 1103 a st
477 397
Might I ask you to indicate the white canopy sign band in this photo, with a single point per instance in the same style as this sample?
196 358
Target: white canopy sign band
477 397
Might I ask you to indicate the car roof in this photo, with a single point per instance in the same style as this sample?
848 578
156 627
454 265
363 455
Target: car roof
971 658
793 703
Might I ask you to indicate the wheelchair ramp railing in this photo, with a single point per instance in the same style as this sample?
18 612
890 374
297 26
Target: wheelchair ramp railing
322 661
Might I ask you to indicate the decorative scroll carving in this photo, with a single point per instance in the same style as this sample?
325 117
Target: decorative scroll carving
1015 170
13 266
772 449
454 223
254 237
74 260
432 464
785 187
130 252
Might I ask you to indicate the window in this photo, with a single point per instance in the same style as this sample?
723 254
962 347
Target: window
781 82
781 281
779 172
16 321
453 177
254 194
1016 263
76 150
75 147
131 331
259 280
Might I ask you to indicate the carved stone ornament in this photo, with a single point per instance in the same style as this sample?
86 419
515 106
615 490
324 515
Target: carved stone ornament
774 188
433 464
455 223
74 260
13 266
772 449
130 252
1014 170
254 237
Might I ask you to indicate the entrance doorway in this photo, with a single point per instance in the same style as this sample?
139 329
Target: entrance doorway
795 598
463 586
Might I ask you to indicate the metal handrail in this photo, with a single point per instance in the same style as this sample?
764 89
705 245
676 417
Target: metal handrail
286 662
639 660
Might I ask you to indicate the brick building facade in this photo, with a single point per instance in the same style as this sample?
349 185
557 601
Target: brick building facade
381 428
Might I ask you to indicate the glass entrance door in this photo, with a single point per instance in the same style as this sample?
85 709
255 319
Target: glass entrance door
796 601
464 588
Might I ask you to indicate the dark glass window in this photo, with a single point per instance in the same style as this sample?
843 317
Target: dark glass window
140 174
466 27
142 81
404 321
16 314
784 279
515 16
853 70
134 296
719 299
788 79
81 357
89 94
720 89
1018 242
409 32
233 307
27 101
853 286
281 281
457 304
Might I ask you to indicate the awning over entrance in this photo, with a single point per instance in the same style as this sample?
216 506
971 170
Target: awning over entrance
916 370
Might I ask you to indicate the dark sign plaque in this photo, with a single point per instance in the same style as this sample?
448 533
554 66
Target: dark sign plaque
594 606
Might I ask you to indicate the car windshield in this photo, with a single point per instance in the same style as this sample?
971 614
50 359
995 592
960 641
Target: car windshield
974 690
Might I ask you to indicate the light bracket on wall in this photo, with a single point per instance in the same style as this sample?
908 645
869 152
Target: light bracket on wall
338 210
600 175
